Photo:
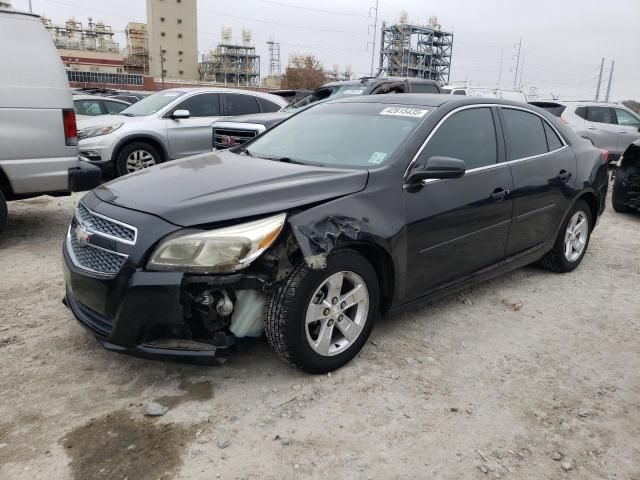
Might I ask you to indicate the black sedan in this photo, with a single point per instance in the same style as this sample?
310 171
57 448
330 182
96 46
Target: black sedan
350 209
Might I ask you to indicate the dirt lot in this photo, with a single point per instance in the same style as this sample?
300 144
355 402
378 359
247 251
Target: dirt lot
531 376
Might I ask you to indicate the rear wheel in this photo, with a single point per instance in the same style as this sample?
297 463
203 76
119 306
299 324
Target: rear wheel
3 212
617 195
318 320
572 241
136 156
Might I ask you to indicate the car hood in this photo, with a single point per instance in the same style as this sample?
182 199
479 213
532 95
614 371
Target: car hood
100 120
221 186
266 119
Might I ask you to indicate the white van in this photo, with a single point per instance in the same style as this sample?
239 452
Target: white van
38 137
485 92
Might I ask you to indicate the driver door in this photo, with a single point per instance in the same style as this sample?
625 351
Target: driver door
457 227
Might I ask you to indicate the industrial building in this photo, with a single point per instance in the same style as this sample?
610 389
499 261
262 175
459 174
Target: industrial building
136 59
420 51
232 63
172 36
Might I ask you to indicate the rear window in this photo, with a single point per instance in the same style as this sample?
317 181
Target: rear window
424 88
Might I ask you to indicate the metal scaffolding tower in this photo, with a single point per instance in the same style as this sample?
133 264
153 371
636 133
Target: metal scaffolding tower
416 51
274 58
232 64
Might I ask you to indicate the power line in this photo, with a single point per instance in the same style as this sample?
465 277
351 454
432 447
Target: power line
289 5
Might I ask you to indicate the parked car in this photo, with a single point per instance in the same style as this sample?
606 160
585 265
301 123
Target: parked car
94 105
229 133
164 126
611 126
350 208
485 92
625 197
38 142
292 95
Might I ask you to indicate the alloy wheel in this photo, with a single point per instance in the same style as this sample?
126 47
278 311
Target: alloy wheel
575 238
337 313
139 159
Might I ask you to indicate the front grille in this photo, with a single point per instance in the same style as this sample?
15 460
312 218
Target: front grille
100 224
94 258
231 137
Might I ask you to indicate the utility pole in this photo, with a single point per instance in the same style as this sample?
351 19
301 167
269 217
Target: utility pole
600 79
375 31
30 7
515 77
606 99
521 70
500 70
162 65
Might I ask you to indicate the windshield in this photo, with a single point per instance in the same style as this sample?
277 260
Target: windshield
152 104
326 93
350 135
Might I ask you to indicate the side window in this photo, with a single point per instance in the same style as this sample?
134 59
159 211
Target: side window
423 88
599 115
525 134
114 107
552 138
581 112
268 106
202 105
459 92
468 135
89 107
239 104
627 119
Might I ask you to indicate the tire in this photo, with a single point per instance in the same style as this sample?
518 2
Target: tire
556 260
148 156
306 293
617 194
3 212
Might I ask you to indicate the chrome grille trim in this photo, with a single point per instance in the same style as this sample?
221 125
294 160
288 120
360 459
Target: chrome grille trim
104 226
100 258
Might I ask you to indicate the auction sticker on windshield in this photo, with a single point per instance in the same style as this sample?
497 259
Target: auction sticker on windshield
404 112
353 92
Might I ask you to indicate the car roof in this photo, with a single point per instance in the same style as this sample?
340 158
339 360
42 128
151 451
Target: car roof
377 80
268 96
98 97
428 100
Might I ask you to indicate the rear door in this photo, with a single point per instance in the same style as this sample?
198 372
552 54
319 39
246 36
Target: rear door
628 129
239 104
601 127
456 227
544 175
189 136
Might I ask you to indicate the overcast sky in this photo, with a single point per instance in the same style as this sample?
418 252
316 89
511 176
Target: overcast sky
563 41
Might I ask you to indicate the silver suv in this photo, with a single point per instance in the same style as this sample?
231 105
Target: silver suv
164 126
611 126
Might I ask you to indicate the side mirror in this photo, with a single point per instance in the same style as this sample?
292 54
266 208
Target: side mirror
178 114
439 167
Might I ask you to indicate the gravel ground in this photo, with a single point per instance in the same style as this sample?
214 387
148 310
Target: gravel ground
533 375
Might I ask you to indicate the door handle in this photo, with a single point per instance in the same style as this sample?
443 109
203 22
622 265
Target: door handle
622 131
564 176
499 194
591 127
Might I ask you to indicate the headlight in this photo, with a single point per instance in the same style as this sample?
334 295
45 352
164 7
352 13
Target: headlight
223 250
97 131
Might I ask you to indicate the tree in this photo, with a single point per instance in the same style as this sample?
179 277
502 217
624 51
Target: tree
303 71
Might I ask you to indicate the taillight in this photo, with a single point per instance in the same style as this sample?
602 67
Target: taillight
605 154
70 127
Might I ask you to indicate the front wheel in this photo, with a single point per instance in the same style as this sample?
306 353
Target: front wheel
318 320
572 241
136 156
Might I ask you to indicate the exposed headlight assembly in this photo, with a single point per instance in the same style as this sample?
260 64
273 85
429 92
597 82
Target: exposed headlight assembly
223 250
97 131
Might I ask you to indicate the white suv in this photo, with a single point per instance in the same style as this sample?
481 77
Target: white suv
611 126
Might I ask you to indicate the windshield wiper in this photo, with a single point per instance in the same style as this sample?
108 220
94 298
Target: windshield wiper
127 114
285 160
245 151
